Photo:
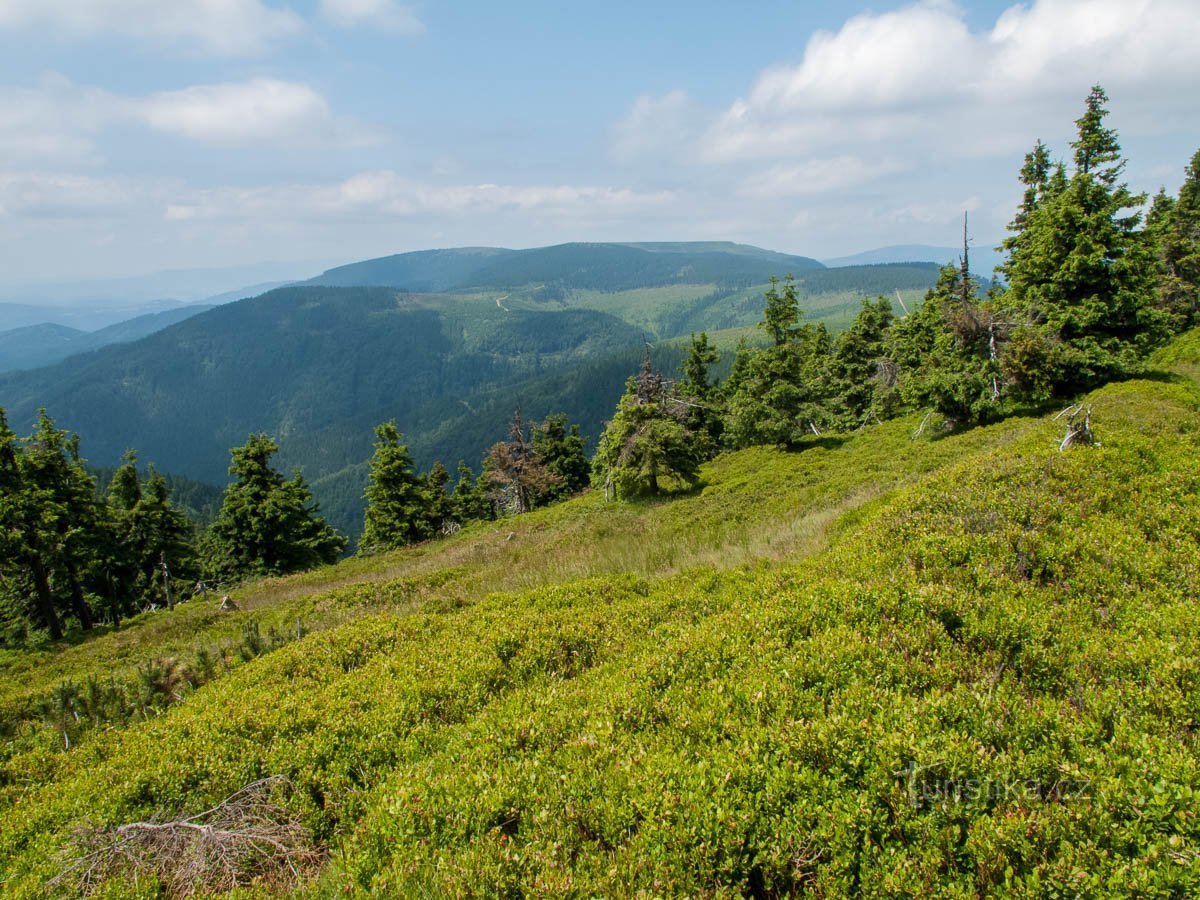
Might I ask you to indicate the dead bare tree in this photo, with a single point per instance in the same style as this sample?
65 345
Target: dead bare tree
248 837
1079 427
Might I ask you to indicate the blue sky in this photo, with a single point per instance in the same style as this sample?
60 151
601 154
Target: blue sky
141 135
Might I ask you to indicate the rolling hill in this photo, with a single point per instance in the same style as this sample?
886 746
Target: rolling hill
42 345
318 365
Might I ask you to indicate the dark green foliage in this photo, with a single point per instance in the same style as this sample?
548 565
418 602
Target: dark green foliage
267 525
561 450
701 393
648 439
1081 271
782 393
438 508
864 376
469 501
781 312
1175 225
947 353
150 543
51 528
398 505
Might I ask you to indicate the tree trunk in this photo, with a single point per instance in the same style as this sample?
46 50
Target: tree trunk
79 604
45 601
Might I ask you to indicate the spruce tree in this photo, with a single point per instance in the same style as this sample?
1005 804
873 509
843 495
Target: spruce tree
438 509
647 440
863 383
703 396
267 525
26 534
469 501
397 502
782 393
1175 225
1082 274
560 448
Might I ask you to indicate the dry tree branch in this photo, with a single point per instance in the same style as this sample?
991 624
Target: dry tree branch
247 838
1079 427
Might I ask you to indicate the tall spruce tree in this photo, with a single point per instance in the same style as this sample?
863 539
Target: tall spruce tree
863 381
267 525
782 393
397 502
1081 273
560 447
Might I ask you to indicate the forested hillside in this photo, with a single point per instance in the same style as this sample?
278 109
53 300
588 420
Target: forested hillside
318 366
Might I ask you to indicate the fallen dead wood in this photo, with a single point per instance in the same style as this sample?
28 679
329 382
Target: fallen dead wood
247 838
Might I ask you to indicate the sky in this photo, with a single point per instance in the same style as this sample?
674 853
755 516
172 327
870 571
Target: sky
145 135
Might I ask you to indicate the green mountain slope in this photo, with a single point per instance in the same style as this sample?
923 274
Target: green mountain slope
423 270
965 666
604 267
36 345
319 365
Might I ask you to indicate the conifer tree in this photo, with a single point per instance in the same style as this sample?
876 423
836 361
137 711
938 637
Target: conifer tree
703 397
647 440
863 381
515 473
1082 273
561 450
151 540
438 509
1175 225
781 312
781 393
397 502
267 525
469 502
26 535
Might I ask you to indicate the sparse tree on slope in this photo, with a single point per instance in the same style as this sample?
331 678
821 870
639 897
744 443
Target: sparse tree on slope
268 525
560 449
647 440
397 503
1175 224
516 475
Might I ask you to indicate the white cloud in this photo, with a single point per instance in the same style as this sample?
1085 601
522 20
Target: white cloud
221 27
40 195
918 83
667 124
59 121
243 112
385 14
816 176
384 195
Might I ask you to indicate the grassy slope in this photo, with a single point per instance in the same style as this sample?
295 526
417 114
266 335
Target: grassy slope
1018 619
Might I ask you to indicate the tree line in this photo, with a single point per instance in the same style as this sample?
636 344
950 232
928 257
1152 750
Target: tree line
1088 288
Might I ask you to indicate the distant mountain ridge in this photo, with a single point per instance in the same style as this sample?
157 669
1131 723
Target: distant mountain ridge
984 257
47 343
317 365
584 266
